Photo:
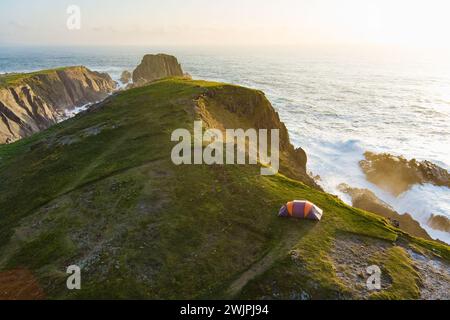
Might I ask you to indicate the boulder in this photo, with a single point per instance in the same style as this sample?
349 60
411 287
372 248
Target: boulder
157 66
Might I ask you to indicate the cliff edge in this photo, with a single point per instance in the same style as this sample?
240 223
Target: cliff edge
32 102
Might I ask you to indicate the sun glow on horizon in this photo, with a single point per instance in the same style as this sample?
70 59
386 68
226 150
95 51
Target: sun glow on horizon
414 23
409 23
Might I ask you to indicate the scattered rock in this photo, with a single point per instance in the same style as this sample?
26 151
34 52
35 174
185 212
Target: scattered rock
435 275
82 134
396 174
351 256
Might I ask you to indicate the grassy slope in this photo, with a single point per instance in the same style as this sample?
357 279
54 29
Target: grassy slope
100 191
10 79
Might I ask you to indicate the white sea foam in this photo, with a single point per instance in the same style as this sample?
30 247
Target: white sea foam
338 162
422 201
72 112
69 113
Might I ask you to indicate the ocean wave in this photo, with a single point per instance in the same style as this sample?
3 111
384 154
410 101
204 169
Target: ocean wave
337 162
421 201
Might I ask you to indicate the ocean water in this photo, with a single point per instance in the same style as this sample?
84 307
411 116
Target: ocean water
336 105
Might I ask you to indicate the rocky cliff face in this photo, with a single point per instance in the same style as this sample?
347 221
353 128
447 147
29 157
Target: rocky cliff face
231 107
156 66
397 174
33 102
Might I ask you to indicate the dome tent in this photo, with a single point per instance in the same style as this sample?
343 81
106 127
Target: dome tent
302 209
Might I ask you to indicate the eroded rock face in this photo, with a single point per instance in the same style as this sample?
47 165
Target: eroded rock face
35 102
440 223
366 200
397 174
238 105
156 66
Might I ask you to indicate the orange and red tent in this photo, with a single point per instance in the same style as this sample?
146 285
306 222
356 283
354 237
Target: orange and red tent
302 209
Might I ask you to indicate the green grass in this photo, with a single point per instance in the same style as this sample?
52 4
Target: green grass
405 279
141 227
46 247
10 79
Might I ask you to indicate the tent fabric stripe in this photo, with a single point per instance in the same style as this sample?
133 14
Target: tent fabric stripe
289 207
308 207
298 209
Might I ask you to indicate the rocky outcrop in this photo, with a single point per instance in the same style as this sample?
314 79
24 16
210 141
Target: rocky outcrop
366 200
440 223
125 77
396 174
156 66
33 102
232 107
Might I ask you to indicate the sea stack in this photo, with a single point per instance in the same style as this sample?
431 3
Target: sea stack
156 66
125 77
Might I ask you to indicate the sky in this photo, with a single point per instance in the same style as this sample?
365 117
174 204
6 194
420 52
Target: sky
409 23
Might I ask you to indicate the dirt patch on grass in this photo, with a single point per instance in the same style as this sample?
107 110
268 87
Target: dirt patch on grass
19 284
351 256
262 265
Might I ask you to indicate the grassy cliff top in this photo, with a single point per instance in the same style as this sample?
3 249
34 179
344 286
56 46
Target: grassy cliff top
100 191
10 79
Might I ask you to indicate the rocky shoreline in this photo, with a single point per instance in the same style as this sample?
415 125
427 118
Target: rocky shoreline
396 175
367 200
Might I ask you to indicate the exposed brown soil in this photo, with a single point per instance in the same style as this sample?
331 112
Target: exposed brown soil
19 284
